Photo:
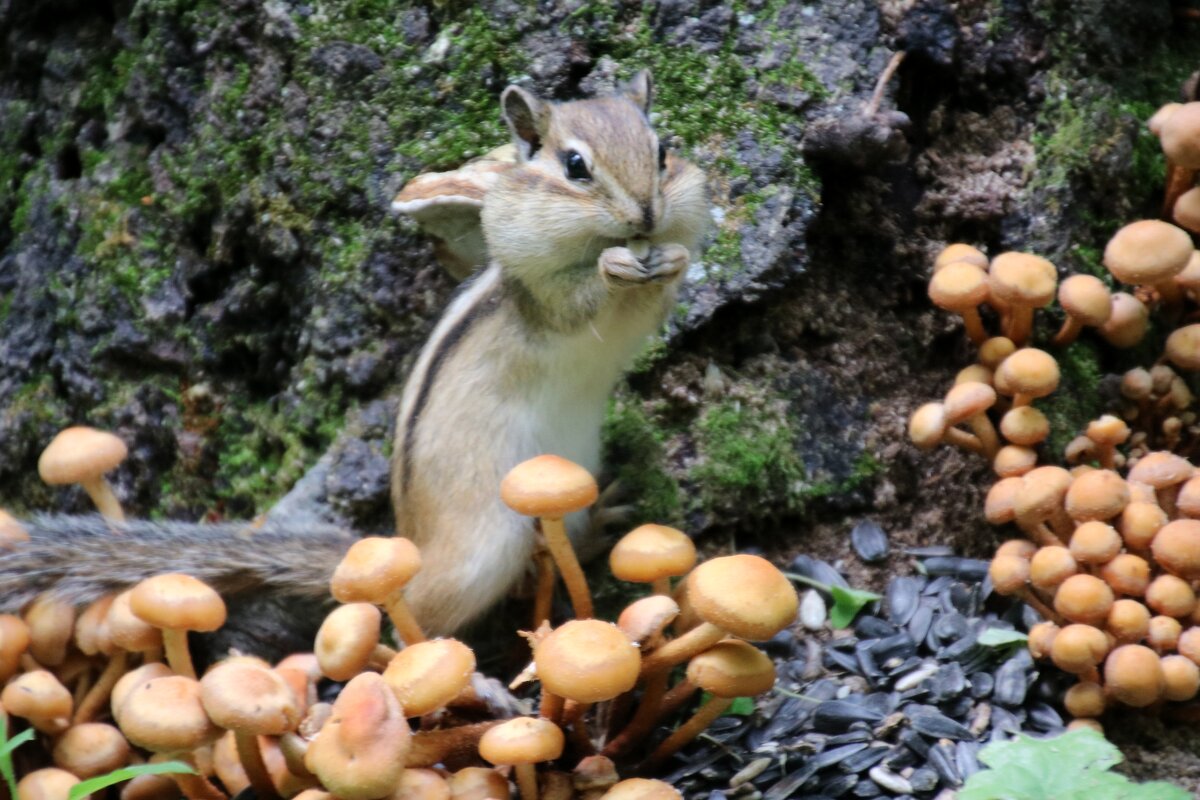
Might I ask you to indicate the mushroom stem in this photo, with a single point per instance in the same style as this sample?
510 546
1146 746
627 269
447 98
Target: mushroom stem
1035 602
102 496
1069 332
985 431
1021 399
689 730
543 597
380 657
407 627
572 574
98 695
1020 325
974 325
1179 180
966 441
194 786
527 780
551 707
676 651
643 719
674 700
251 757
661 586
179 657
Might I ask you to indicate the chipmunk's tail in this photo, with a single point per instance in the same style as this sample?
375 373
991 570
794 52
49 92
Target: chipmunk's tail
81 558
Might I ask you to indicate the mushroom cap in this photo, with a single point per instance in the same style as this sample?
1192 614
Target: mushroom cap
1190 277
998 507
91 748
1133 675
974 373
523 740
1095 542
1017 547
478 783
51 624
346 640
1128 323
1008 573
91 628
1084 699
966 400
1140 522
650 552
47 783
1163 632
1187 210
359 752
1022 279
643 619
1014 461
587 660
1108 430
427 675
1084 598
1050 566
927 425
994 350
744 595
127 630
1188 499
732 668
178 602
1179 133
1170 595
421 784
1078 648
1097 495
165 715
1155 123
80 453
39 697
1043 491
1183 347
1030 371
1128 621
548 486
374 568
1086 298
246 697
960 252
1041 639
1127 574
1161 469
959 286
642 789
1147 252
1025 426
1181 678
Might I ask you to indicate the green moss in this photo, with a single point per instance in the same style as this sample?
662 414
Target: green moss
634 449
1078 399
749 459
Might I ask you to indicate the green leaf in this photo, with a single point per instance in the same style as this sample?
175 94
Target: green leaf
741 707
1073 766
998 637
846 605
99 782
6 750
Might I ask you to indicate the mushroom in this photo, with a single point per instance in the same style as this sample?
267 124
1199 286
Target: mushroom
82 455
359 753
522 743
1171 596
586 661
1078 649
1133 675
1179 134
1095 543
91 749
727 670
1107 432
1084 598
1041 638
550 487
51 624
14 642
39 697
48 783
1149 252
1162 634
1128 323
1024 282
1128 622
742 595
1049 567
969 402
927 428
1087 302
652 554
1029 373
642 789
348 640
1186 211
961 287
1181 678
421 784
960 252
1014 461
250 700
1183 347
1025 426
375 570
479 783
1166 473
1139 523
178 603
428 675
1009 576
12 532
1039 505
1127 574
1097 495
1084 699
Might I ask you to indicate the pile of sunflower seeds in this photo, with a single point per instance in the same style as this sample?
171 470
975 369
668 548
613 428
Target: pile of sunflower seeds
897 706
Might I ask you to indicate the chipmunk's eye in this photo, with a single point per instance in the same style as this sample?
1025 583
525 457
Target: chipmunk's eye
576 167
662 156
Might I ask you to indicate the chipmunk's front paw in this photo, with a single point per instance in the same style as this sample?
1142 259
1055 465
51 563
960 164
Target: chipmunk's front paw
667 262
621 267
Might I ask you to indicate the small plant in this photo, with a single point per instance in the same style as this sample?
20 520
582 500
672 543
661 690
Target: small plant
846 602
1074 766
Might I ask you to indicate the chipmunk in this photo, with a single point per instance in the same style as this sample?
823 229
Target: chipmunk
588 233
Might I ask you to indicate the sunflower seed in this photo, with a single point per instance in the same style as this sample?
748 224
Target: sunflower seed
890 780
942 757
920 622
838 785
938 725
865 759
900 598
837 715
749 772
923 780
836 755
818 570
872 627
869 541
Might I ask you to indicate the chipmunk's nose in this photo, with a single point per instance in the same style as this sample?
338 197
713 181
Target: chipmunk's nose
647 217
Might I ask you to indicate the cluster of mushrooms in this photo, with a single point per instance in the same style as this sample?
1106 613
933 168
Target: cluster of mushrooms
1111 554
115 683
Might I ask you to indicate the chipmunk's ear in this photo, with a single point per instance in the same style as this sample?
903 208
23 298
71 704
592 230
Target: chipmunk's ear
640 90
527 118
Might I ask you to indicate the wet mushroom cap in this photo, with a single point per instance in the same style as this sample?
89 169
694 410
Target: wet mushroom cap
587 661
1171 596
548 486
1147 252
743 594
1095 542
79 453
1128 621
1050 566
523 740
178 602
649 552
428 675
